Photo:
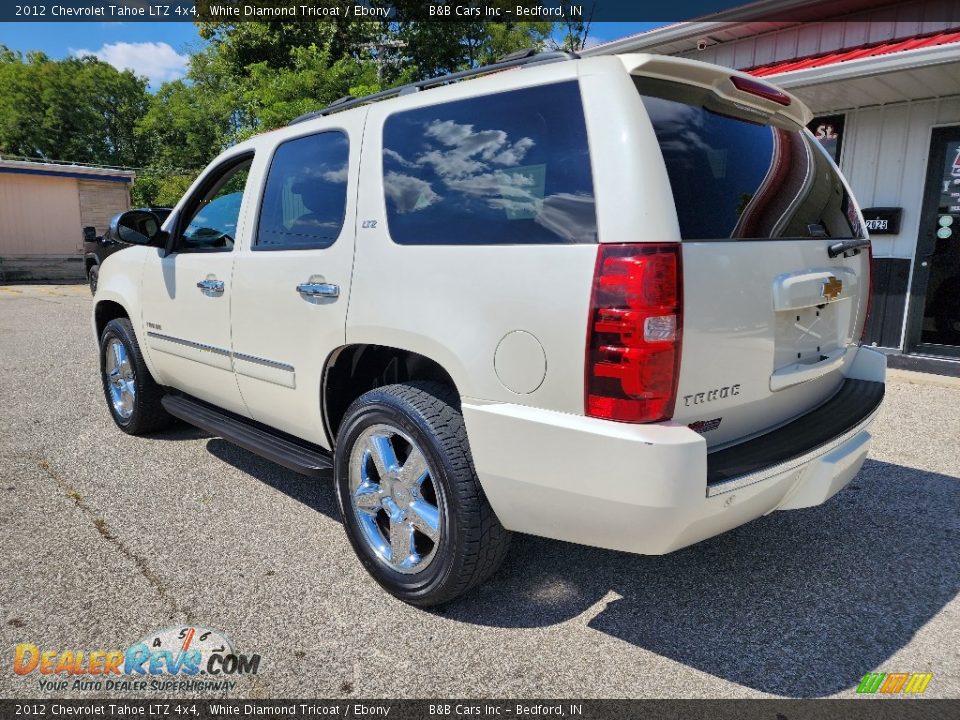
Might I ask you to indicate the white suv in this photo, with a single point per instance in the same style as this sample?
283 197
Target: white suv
616 301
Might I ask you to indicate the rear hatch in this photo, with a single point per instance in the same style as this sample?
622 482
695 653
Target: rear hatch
771 316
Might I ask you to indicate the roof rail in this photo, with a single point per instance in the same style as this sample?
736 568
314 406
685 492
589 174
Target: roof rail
519 58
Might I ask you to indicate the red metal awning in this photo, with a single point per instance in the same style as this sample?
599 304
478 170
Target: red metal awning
857 53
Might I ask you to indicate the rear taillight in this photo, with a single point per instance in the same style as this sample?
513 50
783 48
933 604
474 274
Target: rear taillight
634 332
866 315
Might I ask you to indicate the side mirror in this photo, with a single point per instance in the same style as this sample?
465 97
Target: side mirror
89 233
137 227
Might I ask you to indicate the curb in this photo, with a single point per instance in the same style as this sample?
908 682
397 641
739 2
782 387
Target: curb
919 378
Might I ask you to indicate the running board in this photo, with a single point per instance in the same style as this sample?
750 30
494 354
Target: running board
269 445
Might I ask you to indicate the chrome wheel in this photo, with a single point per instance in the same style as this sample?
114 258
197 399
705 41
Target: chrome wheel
399 507
120 378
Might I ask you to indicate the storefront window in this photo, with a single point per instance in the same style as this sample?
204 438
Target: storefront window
829 131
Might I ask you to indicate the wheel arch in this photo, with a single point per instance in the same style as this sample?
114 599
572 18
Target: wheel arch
104 312
355 369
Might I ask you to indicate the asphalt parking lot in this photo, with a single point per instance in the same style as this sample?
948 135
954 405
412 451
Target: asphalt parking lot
107 537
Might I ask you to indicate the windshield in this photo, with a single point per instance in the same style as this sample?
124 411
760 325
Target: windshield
737 174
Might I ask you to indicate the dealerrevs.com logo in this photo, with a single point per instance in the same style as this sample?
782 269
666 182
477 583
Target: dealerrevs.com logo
196 659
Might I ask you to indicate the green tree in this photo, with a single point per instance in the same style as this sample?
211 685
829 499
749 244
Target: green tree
273 97
243 45
255 76
576 32
435 48
78 109
192 120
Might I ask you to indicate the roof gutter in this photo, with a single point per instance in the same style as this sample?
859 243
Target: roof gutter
652 39
45 168
877 65
785 12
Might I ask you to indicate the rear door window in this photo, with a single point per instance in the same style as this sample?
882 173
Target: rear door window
736 174
305 196
508 168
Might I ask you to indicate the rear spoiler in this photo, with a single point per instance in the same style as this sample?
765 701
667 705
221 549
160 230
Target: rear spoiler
752 91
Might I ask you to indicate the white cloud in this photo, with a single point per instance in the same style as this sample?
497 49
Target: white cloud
157 61
408 193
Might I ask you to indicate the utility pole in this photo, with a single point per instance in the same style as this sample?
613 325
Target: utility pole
381 46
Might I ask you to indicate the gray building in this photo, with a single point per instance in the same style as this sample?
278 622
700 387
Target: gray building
883 80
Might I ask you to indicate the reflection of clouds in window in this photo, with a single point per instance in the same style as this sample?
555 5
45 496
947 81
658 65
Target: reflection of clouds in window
478 171
519 191
464 142
307 225
398 158
304 198
670 117
571 216
495 183
448 164
408 193
448 132
469 152
514 153
680 129
335 176
463 164
309 177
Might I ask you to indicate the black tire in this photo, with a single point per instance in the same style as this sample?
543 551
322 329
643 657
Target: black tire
473 543
93 276
147 413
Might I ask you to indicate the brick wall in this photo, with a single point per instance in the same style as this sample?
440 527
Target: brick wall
100 201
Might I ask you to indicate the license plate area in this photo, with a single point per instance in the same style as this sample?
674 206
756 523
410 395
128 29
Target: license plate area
813 314
805 336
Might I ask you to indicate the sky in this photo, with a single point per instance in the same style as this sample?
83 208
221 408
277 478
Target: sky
160 51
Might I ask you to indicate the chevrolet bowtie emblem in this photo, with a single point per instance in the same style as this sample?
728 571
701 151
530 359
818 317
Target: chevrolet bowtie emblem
831 288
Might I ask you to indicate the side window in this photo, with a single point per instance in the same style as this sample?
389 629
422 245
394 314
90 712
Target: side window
305 197
510 168
213 218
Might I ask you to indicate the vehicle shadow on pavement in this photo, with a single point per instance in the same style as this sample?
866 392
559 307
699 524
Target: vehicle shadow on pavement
178 432
800 603
316 494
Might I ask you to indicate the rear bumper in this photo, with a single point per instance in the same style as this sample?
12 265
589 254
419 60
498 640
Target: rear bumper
644 488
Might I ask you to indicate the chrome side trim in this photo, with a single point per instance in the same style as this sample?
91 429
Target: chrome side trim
263 361
746 480
189 343
275 364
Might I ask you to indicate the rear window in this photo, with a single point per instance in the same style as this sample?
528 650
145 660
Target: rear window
509 168
736 174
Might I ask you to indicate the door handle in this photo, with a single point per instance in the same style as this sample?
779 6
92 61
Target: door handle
211 285
327 290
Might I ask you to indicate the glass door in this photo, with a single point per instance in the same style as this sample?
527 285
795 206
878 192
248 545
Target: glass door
934 326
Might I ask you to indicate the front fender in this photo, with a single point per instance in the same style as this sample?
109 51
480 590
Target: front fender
120 283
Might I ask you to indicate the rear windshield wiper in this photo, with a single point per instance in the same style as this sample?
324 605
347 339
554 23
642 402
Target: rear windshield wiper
847 247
